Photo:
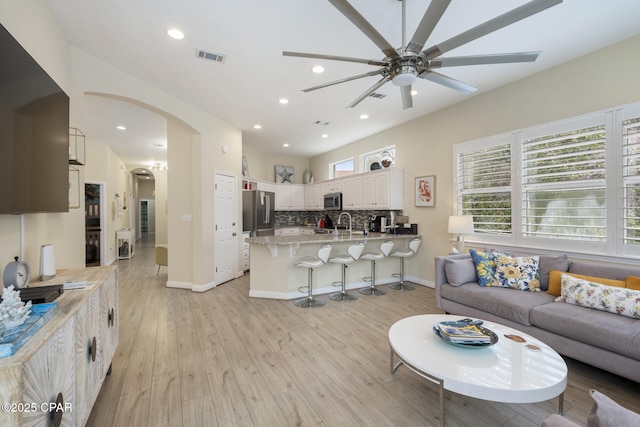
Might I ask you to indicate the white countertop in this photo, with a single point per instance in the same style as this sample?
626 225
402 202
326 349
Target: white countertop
343 236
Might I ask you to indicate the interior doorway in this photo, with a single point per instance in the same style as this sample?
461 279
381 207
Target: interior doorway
226 228
93 222
147 217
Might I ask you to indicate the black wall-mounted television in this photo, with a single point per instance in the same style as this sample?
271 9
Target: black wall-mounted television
34 134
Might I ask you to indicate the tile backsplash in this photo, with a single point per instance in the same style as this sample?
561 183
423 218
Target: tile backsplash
359 218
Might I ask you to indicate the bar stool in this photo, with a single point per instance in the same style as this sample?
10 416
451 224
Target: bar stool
310 263
353 253
414 244
385 249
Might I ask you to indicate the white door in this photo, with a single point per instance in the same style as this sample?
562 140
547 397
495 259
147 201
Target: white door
225 230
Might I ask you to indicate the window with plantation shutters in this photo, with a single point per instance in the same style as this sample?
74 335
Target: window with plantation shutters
484 187
570 186
631 180
564 183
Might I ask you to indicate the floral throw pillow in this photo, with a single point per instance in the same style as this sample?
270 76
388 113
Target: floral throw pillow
518 272
485 267
623 301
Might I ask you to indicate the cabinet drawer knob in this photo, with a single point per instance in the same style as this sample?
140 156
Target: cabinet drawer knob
56 413
93 348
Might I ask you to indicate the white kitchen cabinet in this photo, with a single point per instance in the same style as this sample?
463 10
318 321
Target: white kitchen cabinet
265 186
245 252
334 185
352 192
383 189
289 197
314 196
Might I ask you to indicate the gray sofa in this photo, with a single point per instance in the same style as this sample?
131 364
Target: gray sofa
605 340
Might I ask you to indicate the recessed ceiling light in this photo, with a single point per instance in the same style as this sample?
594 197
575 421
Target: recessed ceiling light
174 33
414 92
120 127
324 135
364 116
285 145
318 69
256 126
283 101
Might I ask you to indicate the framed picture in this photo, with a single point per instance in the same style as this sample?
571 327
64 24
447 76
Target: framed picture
284 174
74 188
426 191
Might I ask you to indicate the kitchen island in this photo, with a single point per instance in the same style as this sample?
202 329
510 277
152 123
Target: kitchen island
273 259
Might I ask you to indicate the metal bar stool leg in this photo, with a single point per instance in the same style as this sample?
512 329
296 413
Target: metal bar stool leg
310 300
372 290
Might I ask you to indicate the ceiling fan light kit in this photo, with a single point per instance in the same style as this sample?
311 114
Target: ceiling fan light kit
405 65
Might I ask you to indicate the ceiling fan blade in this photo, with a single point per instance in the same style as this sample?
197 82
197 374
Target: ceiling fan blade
347 79
447 81
407 99
515 15
425 27
497 58
335 58
363 25
369 91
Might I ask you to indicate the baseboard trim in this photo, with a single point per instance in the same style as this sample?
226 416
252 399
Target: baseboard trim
329 289
204 287
179 285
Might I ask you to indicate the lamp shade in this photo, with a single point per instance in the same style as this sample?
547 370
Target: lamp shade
461 224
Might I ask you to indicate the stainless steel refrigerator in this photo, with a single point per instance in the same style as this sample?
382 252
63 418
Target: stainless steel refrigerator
258 209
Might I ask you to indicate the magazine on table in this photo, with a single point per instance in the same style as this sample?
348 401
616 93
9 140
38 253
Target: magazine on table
465 334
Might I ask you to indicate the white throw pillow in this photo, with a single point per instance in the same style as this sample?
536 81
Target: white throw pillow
612 299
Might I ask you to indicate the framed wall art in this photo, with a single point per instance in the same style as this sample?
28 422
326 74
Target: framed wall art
426 191
284 174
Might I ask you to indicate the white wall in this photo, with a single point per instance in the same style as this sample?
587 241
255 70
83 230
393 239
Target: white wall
602 79
262 165
32 24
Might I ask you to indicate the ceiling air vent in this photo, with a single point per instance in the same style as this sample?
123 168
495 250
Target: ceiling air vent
210 56
377 95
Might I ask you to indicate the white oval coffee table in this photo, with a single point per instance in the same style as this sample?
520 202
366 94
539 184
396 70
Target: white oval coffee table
508 371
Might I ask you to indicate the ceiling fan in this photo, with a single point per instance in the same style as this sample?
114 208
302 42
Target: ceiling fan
404 65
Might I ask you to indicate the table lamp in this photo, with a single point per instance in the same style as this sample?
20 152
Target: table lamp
460 225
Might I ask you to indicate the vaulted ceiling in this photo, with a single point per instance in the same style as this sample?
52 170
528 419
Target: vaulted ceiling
245 88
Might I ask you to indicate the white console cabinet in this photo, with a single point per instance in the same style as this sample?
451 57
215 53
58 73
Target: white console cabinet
66 360
124 243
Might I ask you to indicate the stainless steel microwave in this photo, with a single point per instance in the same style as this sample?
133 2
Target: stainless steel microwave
333 201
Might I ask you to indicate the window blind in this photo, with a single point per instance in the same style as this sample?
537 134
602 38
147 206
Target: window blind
631 180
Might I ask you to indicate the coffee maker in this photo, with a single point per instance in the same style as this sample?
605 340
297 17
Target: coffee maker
375 223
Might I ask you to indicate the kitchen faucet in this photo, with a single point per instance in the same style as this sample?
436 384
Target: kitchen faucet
347 214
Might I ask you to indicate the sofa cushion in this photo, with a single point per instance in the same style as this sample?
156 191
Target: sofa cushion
548 263
633 282
485 267
608 331
555 281
607 413
517 272
584 293
507 303
460 271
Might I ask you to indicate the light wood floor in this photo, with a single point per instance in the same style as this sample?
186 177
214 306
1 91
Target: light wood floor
220 358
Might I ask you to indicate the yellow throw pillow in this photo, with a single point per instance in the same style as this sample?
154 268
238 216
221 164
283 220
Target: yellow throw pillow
633 282
555 281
